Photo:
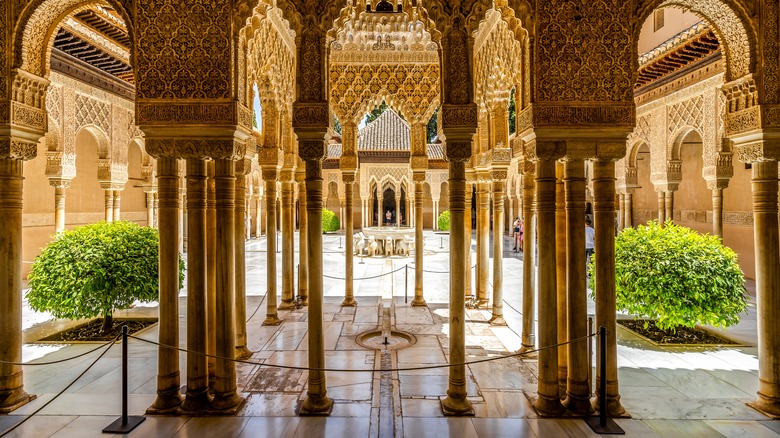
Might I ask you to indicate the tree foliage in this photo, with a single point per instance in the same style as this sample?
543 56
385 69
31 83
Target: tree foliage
677 276
336 125
512 113
376 112
432 128
97 269
330 222
444 220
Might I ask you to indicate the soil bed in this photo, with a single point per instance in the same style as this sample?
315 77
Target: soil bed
682 335
91 330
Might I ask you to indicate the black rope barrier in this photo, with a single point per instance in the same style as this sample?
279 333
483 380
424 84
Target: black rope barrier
16 426
348 370
68 359
364 278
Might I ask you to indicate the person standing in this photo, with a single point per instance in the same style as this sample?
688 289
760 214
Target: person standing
590 241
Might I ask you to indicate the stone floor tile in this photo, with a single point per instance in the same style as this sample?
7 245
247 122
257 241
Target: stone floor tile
688 429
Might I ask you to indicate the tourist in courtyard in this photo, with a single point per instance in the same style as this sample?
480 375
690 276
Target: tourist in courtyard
590 241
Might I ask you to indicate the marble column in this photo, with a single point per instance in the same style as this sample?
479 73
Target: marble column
560 275
239 222
661 206
621 209
498 248
317 401
303 247
419 182
398 211
197 396
258 216
60 186
435 212
469 291
149 209
669 205
269 177
628 213
604 215
226 398
577 384
767 250
182 225
528 333
548 403
717 212
348 177
288 243
168 376
156 210
117 205
12 393
211 270
456 402
109 205
483 242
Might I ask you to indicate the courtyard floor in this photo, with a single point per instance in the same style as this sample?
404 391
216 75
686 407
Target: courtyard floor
668 391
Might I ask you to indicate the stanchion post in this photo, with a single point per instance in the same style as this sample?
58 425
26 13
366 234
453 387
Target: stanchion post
603 425
124 424
441 242
406 284
340 243
590 355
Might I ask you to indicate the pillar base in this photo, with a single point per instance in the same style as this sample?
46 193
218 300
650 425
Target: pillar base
272 320
243 352
349 302
526 349
549 407
456 406
304 301
497 320
482 303
614 408
578 405
766 405
15 399
226 404
316 406
195 402
167 402
286 305
419 302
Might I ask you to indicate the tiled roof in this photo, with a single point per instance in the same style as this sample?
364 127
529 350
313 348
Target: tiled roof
389 132
436 151
334 151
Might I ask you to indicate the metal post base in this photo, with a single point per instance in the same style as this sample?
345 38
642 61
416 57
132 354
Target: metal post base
609 427
124 427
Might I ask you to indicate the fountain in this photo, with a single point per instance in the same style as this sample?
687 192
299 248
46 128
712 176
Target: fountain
385 241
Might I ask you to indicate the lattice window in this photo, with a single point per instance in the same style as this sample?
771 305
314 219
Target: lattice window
658 20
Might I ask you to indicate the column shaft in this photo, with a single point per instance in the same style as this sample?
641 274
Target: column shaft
577 385
168 377
419 300
456 402
621 209
661 207
12 394
498 253
117 205
669 205
271 317
303 242
317 400
483 242
109 205
150 209
59 208
197 396
258 217
397 211
560 276
717 212
628 214
469 291
528 341
239 222
211 269
288 247
349 291
548 402
767 247
604 214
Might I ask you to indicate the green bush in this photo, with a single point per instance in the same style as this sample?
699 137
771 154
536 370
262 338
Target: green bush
444 221
329 221
677 276
96 269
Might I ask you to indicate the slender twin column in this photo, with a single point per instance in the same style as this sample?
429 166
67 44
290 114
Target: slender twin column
211 270
197 397
117 205
317 401
168 377
258 216
397 211
12 394
604 214
457 402
498 248
661 206
560 275
242 168
549 402
349 292
149 209
418 240
669 205
303 260
628 211
577 385
226 398
436 215
621 209
60 185
528 338
767 247
269 177
288 243
483 242
467 238
717 212
109 205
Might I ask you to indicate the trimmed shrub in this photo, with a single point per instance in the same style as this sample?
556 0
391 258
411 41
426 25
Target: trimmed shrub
444 220
677 276
97 269
330 222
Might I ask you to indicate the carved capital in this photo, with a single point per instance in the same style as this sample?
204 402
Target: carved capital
457 151
198 148
545 150
499 175
268 157
419 177
758 151
348 176
60 183
419 162
348 162
312 150
244 166
307 115
17 149
459 122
